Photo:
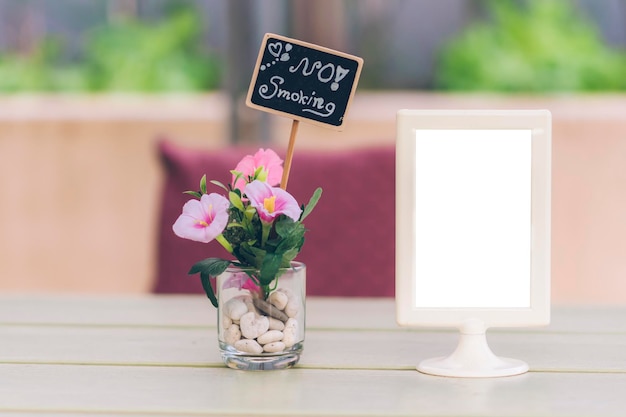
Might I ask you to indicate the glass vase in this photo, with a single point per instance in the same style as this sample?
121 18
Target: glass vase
261 328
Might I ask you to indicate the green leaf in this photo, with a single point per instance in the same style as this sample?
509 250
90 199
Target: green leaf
291 235
205 279
219 184
251 255
250 213
288 256
293 242
269 268
312 203
203 184
210 267
193 193
286 226
236 200
237 175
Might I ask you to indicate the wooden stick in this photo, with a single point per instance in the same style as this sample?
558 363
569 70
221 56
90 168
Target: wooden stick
292 143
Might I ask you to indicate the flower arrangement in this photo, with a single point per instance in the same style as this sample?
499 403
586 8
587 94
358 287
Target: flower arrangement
258 223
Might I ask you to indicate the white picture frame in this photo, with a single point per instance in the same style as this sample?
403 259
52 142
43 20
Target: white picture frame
427 143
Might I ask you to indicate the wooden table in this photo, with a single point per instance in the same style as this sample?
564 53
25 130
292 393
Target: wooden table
158 355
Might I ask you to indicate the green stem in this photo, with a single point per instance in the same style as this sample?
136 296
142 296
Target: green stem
266 291
220 238
265 232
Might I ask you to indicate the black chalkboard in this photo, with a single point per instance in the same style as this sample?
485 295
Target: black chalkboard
303 81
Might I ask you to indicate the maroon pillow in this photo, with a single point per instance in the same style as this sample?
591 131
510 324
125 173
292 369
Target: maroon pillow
350 245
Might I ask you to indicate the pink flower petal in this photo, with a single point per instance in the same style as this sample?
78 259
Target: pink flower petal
204 220
286 204
272 163
241 281
258 192
266 158
237 280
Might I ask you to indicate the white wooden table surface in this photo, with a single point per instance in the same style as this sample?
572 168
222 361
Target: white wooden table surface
158 355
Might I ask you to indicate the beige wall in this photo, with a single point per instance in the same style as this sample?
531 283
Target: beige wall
80 182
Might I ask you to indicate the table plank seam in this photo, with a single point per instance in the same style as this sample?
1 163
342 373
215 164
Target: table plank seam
329 367
209 327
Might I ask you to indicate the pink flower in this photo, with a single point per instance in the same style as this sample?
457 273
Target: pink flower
268 159
204 220
270 202
241 281
251 286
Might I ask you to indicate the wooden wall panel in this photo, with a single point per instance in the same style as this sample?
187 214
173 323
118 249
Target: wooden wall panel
80 181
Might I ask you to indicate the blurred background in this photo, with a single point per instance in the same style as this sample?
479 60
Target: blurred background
88 87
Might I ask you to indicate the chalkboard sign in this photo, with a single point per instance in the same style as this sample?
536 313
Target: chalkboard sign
303 81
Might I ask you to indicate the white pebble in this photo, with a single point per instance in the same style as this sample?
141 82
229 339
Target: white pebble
278 299
274 347
253 325
232 334
290 333
226 322
286 291
270 336
276 324
250 305
235 308
292 308
248 346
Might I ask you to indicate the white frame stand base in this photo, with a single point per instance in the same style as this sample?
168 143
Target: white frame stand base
473 358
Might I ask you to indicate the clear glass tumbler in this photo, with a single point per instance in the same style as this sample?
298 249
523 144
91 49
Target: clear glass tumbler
261 328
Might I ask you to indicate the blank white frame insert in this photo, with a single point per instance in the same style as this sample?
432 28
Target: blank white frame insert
473 228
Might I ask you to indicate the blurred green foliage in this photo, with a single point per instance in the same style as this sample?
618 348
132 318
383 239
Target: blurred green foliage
126 55
534 46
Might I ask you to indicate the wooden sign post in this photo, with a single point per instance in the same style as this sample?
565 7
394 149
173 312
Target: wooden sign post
304 82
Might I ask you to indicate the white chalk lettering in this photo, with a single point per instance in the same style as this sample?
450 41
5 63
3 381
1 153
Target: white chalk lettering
325 72
329 67
329 107
306 71
312 103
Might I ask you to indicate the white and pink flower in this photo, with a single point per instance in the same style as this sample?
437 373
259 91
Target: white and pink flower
203 220
271 202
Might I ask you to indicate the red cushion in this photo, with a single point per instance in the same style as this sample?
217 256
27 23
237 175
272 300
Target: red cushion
349 248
